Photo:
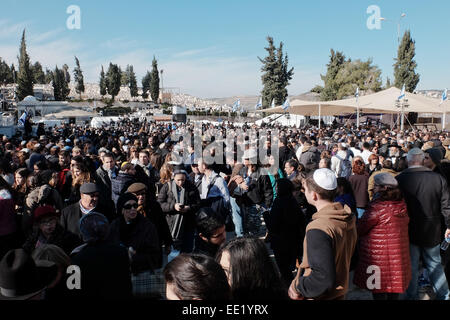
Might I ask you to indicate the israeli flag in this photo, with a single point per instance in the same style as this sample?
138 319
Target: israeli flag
236 105
259 104
273 103
402 93
286 104
22 118
444 96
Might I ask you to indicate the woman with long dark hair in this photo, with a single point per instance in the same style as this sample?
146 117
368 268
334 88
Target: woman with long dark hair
251 273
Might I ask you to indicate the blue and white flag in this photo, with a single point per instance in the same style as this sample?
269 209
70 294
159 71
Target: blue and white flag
286 104
357 93
402 93
22 118
236 105
444 96
259 104
273 103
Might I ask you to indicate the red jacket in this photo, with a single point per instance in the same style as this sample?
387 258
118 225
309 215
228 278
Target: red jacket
384 242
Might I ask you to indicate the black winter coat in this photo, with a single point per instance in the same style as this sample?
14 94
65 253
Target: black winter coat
427 197
105 271
286 224
71 215
140 234
179 222
120 185
260 190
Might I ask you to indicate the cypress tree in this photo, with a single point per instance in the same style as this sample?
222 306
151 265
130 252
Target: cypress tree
25 75
38 73
113 80
404 66
56 82
132 82
330 90
146 84
154 81
48 76
102 83
268 78
5 73
78 77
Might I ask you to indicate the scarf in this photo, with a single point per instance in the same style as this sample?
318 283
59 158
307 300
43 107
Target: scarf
179 195
84 210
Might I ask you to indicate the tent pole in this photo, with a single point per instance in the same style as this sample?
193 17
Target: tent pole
443 120
357 115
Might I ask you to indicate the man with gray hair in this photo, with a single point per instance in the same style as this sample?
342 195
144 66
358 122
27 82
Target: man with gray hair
427 197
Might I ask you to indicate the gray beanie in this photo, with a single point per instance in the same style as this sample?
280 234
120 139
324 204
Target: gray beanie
385 179
94 227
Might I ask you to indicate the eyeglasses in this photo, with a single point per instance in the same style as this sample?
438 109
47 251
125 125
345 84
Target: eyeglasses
129 206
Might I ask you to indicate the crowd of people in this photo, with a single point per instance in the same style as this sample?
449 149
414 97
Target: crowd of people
138 222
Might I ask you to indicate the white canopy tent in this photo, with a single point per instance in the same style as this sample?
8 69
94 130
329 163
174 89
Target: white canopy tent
385 101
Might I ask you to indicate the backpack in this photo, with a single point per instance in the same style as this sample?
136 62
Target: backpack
219 205
345 167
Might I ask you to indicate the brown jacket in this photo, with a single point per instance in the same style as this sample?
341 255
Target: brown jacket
339 223
372 180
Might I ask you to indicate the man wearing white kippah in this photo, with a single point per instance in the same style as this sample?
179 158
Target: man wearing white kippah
329 243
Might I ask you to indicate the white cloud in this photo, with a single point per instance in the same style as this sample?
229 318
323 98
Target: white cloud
10 30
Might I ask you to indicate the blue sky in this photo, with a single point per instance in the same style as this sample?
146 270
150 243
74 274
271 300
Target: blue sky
210 48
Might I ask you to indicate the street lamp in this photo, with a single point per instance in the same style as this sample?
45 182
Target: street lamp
162 85
398 24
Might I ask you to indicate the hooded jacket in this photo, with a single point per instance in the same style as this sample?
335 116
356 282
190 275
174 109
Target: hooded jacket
310 158
327 251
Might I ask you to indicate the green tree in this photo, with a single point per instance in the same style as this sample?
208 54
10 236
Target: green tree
132 82
276 74
25 75
146 84
102 83
6 75
268 77
388 83
330 88
113 77
66 73
57 84
60 86
317 89
283 75
13 73
48 76
353 74
78 78
154 81
124 80
38 74
404 66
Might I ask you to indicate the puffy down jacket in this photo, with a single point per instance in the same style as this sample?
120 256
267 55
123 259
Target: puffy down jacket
384 242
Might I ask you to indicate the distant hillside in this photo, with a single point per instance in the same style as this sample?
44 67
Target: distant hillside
249 102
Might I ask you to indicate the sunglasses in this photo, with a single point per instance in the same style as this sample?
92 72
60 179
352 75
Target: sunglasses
129 206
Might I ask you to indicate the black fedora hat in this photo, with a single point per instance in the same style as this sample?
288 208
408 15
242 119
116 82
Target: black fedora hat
22 278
